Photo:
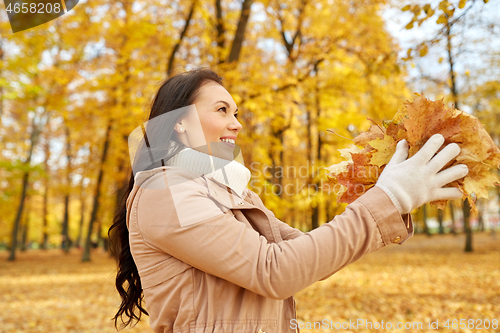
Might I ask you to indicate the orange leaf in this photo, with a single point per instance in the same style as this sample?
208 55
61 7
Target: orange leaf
416 122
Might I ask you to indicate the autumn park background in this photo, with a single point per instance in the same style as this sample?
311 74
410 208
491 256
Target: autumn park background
72 90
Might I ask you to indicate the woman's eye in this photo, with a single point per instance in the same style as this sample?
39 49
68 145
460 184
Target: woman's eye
236 115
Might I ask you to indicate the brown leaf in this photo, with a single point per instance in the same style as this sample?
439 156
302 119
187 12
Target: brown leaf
426 118
416 122
373 133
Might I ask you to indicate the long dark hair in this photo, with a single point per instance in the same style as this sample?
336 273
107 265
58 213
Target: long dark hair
176 92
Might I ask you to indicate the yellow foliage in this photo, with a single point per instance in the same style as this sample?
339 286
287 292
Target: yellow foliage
424 280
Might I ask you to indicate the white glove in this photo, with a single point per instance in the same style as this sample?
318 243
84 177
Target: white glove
412 182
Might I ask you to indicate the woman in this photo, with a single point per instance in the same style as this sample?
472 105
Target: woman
206 252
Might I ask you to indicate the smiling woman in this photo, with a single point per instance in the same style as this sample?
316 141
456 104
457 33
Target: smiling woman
214 119
204 252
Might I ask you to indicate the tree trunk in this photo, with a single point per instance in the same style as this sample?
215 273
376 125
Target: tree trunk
33 139
454 92
280 132
45 234
480 221
467 228
310 157
317 158
80 226
219 27
82 214
65 244
25 227
452 214
329 215
64 231
440 215
95 206
272 152
234 54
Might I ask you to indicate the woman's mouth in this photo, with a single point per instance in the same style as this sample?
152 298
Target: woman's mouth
229 142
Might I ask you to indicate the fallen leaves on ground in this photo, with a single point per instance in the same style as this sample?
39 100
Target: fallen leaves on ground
424 280
57 293
416 122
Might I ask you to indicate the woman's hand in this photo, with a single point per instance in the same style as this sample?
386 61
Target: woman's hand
412 182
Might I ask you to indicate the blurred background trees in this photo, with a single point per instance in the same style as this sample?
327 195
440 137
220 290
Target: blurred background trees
73 89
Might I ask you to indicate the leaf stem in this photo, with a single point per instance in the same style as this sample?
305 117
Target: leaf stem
332 131
373 121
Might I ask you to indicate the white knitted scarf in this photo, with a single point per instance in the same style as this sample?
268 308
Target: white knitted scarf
230 173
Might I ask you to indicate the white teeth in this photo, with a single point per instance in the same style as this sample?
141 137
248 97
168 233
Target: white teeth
228 140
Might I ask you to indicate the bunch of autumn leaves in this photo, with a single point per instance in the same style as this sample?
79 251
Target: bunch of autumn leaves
416 122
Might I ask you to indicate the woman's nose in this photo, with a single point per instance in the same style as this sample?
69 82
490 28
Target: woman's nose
235 125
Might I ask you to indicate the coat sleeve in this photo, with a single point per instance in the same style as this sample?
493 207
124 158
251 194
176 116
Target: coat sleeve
220 245
286 231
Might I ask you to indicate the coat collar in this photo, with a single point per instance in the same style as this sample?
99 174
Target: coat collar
216 190
232 173
227 199
225 195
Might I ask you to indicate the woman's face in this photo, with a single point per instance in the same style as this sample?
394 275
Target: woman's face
214 118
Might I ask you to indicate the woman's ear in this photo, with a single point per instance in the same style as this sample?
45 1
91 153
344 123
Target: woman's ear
179 128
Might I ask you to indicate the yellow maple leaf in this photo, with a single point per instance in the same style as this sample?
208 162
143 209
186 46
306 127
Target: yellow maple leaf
385 148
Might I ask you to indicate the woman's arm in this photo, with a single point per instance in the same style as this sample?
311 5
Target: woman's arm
288 232
225 247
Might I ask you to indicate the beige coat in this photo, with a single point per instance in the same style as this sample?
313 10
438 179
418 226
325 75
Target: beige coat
210 261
